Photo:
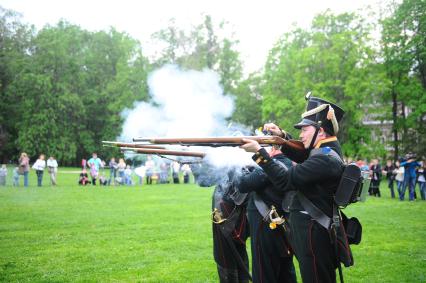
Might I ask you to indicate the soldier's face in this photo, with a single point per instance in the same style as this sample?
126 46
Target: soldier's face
306 134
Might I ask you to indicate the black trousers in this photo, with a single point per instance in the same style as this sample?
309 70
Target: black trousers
374 188
272 260
313 248
228 266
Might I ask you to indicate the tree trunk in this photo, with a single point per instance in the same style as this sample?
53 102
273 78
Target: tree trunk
394 126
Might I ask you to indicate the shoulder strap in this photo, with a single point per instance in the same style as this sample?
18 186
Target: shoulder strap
314 211
261 207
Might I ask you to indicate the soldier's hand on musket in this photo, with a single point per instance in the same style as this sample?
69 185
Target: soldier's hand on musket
250 145
273 129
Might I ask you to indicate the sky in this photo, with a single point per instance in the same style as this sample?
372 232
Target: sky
256 24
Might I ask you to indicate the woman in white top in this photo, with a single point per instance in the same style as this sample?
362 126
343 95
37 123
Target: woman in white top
399 177
39 166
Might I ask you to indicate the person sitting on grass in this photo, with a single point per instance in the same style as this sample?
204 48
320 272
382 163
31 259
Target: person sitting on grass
102 180
84 178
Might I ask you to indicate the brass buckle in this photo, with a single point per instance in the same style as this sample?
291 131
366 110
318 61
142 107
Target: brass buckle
275 219
217 217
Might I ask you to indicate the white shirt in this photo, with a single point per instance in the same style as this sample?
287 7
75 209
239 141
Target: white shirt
128 172
52 163
421 176
39 165
176 167
400 174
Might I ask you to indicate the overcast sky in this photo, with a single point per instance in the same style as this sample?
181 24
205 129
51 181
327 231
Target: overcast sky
256 24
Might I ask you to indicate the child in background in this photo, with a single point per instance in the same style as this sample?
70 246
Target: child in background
128 175
15 180
3 174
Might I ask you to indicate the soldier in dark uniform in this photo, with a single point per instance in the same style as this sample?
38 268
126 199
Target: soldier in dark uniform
315 180
230 226
230 232
272 258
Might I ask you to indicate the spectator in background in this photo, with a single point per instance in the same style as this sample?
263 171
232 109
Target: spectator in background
39 166
24 167
121 166
3 175
102 180
421 179
83 163
83 178
112 171
140 172
128 175
175 172
186 172
362 165
52 168
390 176
15 177
94 174
94 163
149 169
410 175
376 175
164 173
399 178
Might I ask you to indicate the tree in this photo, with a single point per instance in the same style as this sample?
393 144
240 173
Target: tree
201 48
334 60
15 40
248 102
74 89
404 53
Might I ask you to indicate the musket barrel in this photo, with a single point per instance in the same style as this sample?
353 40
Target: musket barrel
165 152
133 145
213 140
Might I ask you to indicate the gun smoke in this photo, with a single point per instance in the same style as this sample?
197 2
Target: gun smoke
189 103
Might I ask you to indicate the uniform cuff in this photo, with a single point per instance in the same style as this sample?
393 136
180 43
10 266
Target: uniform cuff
261 156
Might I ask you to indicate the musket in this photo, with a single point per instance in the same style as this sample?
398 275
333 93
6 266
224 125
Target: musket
165 152
132 145
295 150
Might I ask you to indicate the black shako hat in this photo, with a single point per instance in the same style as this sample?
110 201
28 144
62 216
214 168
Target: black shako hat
321 113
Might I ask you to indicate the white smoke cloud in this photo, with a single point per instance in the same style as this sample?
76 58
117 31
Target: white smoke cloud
186 103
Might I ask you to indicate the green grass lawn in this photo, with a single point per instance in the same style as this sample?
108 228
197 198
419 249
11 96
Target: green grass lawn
162 233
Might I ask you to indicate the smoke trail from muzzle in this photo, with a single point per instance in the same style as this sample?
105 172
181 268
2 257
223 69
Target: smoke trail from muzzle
184 103
188 103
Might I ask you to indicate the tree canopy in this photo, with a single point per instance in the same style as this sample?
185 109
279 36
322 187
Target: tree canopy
62 88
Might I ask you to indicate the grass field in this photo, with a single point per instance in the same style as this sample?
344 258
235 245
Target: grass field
162 233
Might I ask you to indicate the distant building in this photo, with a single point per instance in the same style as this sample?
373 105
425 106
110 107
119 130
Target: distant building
379 120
